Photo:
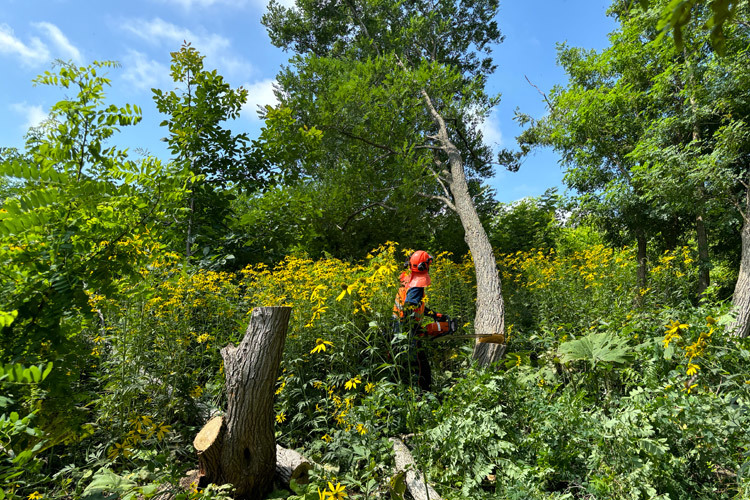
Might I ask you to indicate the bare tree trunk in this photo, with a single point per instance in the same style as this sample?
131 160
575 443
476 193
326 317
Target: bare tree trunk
241 449
704 277
490 315
642 263
741 299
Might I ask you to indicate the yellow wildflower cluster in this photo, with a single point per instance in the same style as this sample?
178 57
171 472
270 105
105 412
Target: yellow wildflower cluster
141 428
691 351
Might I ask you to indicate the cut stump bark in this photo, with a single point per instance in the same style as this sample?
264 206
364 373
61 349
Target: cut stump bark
240 447
291 465
415 481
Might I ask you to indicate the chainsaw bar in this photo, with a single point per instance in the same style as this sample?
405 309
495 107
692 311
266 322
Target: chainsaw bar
482 337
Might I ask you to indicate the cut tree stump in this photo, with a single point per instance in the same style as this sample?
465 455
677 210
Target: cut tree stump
240 447
415 481
207 444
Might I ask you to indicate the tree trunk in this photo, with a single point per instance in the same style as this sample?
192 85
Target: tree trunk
741 299
642 263
414 479
245 443
292 465
490 315
704 277
490 312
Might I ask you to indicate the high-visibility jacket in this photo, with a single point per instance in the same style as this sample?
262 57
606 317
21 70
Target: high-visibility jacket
399 304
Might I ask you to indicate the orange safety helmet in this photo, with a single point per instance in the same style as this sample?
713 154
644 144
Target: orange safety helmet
419 264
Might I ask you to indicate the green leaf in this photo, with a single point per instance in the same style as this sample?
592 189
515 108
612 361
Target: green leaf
596 348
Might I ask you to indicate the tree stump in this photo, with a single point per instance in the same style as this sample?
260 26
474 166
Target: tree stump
207 444
240 447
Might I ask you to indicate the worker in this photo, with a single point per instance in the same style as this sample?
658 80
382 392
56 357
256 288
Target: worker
409 309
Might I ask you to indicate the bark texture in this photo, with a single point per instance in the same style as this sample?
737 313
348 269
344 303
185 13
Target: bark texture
291 465
490 315
704 277
741 299
642 263
248 452
415 481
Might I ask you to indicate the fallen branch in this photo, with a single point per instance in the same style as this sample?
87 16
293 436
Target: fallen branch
415 482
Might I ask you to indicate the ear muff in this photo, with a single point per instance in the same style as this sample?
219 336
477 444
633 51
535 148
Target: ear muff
424 266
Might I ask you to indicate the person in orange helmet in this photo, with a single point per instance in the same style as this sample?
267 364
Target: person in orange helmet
409 309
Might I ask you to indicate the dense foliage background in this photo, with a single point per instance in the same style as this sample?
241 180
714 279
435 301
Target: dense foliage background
626 374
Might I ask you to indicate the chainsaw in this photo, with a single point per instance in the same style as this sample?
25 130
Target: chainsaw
445 328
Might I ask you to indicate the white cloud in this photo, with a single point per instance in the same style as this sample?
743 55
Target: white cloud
33 115
31 54
259 93
490 128
216 48
258 4
35 52
60 41
144 73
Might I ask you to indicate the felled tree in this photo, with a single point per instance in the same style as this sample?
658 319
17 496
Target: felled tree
390 96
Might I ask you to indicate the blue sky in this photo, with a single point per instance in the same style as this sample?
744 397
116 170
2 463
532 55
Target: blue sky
140 34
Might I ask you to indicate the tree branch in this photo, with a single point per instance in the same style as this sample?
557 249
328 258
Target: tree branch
366 207
366 141
448 203
549 104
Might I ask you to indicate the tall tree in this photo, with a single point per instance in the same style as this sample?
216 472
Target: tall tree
217 158
397 91
595 122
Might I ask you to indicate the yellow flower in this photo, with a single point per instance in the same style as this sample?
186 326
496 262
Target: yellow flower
369 387
710 320
196 392
320 346
35 495
337 492
322 495
162 431
676 326
361 429
692 369
326 438
281 417
352 383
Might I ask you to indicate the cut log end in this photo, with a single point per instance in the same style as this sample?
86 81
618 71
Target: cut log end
209 434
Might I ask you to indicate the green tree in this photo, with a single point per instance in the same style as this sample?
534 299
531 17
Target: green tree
526 224
395 92
595 122
218 159
81 217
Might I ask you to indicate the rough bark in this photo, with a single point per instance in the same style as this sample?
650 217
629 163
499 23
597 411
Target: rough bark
248 450
490 312
741 299
415 481
291 465
704 277
642 262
